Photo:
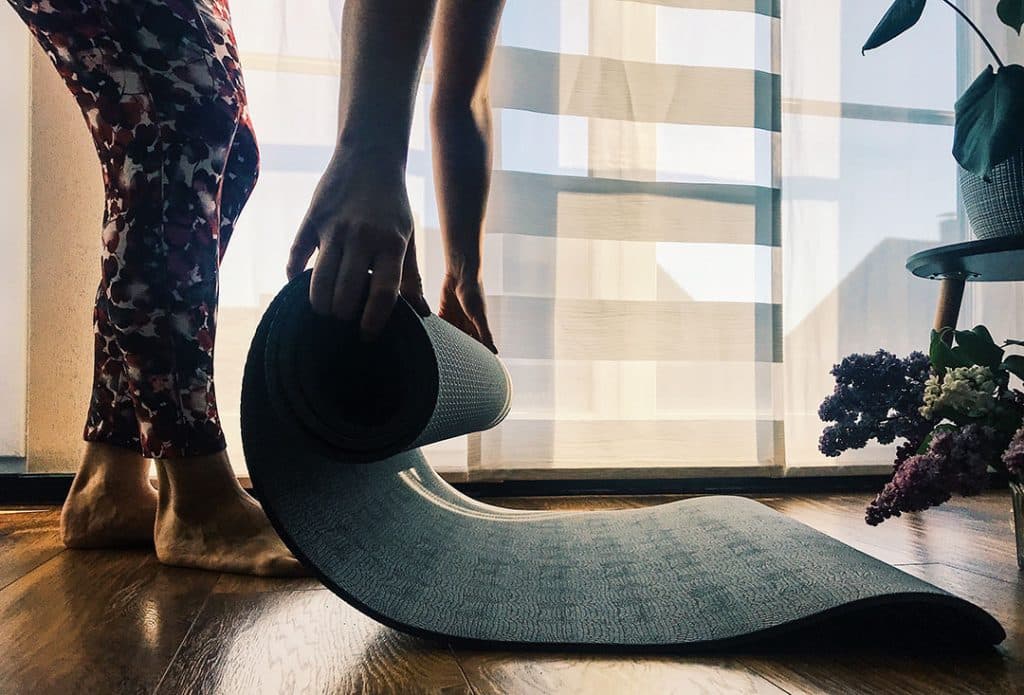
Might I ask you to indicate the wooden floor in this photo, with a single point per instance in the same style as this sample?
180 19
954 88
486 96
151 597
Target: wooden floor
119 622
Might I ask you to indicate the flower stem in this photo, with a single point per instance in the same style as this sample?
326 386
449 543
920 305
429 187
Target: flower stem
976 30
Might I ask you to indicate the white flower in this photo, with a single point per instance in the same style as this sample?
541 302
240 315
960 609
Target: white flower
969 391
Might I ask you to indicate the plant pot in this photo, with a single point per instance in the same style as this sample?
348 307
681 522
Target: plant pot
1017 494
995 208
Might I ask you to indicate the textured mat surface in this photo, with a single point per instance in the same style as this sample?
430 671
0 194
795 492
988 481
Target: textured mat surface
331 428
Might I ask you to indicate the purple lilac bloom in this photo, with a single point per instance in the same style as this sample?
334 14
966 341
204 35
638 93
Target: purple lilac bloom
878 397
956 462
918 484
1013 457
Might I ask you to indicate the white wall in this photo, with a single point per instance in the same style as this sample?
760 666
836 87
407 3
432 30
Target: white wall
14 226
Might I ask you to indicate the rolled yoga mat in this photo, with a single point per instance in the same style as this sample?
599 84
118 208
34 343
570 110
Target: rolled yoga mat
331 429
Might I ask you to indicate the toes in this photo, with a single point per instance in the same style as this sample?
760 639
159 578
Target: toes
278 566
279 562
74 540
287 566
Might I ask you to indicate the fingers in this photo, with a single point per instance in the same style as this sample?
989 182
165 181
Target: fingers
483 332
450 310
342 282
411 288
416 300
302 249
350 286
387 275
325 275
463 306
476 312
459 319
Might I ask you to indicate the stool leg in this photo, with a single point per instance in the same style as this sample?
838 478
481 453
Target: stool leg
951 294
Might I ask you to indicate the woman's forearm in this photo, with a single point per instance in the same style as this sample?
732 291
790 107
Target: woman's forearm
383 45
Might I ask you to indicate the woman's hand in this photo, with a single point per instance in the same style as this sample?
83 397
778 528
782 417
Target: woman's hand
463 306
360 221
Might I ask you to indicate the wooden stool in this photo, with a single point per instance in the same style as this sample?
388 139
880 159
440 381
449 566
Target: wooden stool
985 260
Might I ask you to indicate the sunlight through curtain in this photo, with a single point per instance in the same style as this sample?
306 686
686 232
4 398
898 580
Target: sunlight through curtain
867 180
697 208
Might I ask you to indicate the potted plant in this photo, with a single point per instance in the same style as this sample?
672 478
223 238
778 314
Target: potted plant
988 138
953 410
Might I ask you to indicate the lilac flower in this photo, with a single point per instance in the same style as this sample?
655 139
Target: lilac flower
967 391
1013 457
956 462
918 484
876 396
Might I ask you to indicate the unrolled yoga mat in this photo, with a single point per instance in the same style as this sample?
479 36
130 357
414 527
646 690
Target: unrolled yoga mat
331 428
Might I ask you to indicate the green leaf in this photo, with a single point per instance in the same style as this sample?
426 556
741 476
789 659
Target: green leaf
902 15
979 348
943 356
988 117
983 332
1014 364
1011 13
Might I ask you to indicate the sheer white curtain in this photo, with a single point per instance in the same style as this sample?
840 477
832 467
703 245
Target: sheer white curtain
867 179
697 208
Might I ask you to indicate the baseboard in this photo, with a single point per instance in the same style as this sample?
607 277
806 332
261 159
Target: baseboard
37 488
52 488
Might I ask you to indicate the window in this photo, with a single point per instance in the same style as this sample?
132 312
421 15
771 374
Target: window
697 208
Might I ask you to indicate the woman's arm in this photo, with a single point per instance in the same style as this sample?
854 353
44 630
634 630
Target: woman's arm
464 36
359 217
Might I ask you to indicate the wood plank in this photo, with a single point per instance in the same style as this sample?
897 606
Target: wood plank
509 673
878 673
975 534
28 538
303 642
244 584
843 519
91 621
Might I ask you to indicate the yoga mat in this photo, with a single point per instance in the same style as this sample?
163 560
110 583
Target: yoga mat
331 428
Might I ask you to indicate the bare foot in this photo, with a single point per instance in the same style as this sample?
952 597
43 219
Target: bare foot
207 521
111 502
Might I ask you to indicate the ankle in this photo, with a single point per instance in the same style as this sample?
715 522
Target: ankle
196 486
108 465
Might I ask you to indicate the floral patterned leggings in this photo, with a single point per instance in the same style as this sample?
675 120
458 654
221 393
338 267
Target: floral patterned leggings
160 86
